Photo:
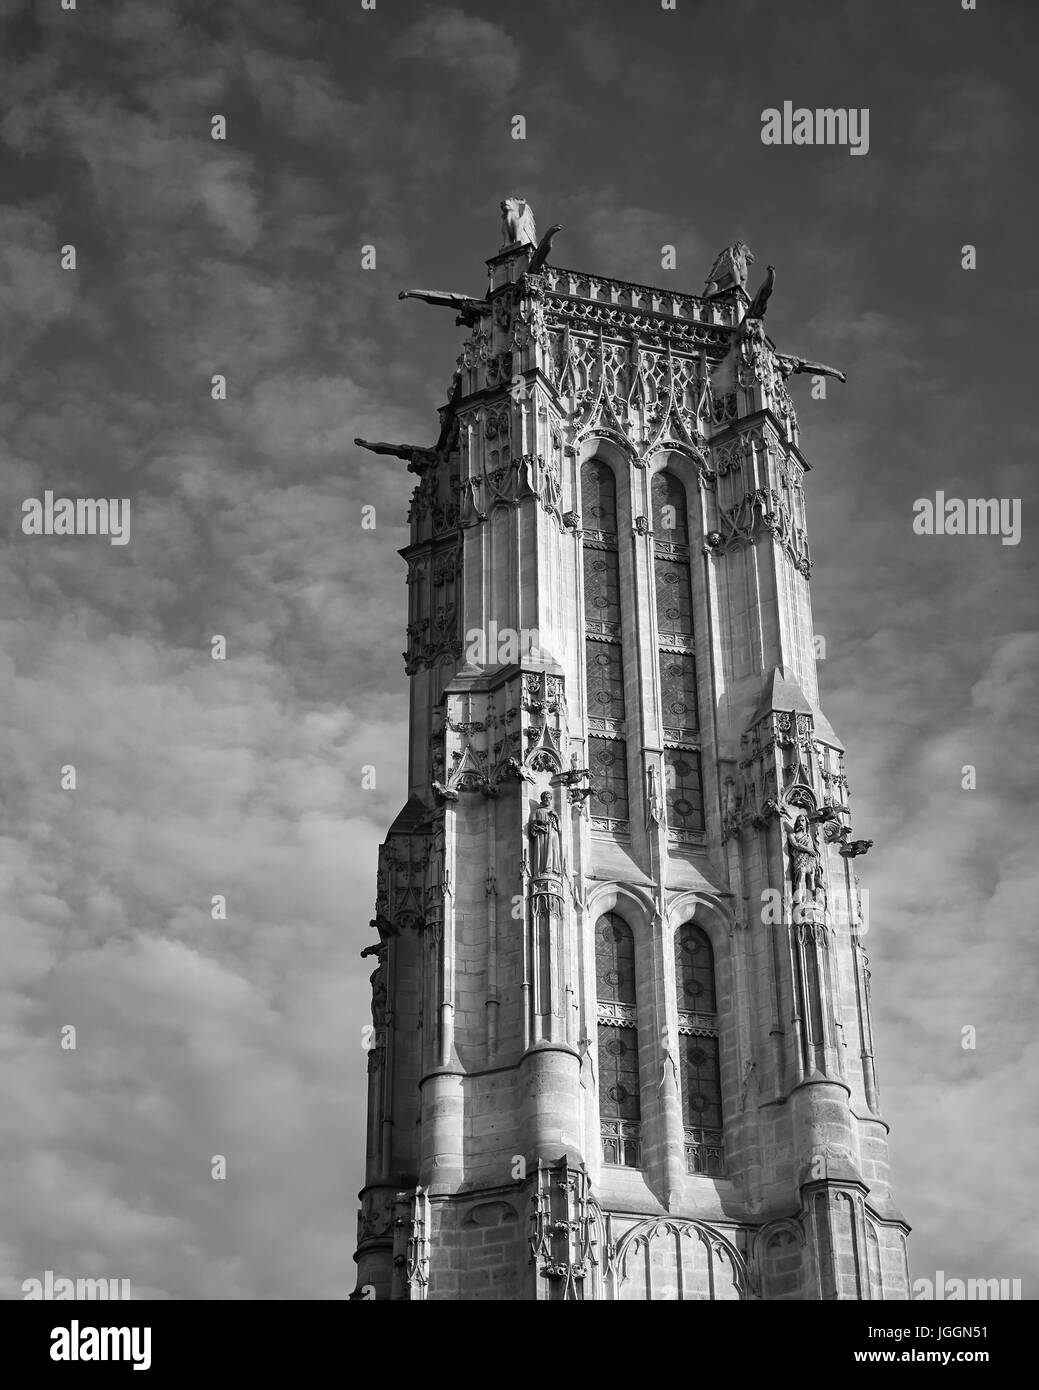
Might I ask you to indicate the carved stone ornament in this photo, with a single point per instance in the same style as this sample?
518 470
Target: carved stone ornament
730 268
805 861
517 222
546 852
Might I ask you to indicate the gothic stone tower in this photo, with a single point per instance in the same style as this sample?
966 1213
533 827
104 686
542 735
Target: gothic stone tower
622 1044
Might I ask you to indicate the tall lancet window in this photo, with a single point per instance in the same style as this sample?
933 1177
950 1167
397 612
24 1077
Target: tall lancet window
620 1111
699 1051
604 665
680 718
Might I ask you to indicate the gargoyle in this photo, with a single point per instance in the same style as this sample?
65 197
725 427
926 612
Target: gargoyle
789 366
469 310
419 460
519 771
544 246
828 813
852 848
764 294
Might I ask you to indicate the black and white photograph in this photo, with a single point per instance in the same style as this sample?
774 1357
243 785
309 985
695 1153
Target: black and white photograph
519 660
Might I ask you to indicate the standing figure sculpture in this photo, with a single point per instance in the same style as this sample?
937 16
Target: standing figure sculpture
546 849
805 860
730 268
517 222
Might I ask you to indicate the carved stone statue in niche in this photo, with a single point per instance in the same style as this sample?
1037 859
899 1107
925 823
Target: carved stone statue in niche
805 861
546 849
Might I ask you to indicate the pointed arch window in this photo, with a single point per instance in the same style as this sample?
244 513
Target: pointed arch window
620 1108
604 655
599 500
679 713
699 1051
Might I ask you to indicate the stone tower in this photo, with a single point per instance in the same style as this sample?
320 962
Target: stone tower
622 1044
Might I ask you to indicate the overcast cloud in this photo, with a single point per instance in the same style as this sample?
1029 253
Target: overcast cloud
242 778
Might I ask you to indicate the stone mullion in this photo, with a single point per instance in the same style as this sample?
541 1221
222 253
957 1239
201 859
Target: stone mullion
668 1097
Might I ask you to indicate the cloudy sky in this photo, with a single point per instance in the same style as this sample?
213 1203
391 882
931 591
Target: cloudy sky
391 127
